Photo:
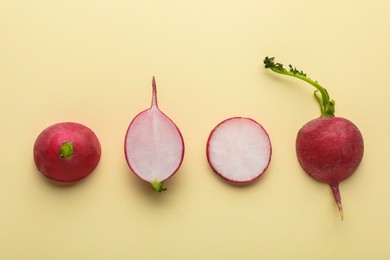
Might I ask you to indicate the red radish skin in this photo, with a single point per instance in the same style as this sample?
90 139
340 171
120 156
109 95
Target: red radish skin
328 148
67 152
154 145
239 150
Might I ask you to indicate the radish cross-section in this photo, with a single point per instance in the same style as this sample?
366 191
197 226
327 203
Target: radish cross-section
239 149
154 146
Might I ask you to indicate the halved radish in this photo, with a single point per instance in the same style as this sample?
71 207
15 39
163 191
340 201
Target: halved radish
154 146
239 149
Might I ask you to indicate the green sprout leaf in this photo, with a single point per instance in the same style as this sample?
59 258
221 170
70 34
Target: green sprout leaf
327 105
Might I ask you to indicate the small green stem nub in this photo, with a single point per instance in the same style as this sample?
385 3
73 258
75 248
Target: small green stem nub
66 150
326 104
158 186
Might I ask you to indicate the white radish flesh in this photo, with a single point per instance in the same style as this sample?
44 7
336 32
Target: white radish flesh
154 146
239 149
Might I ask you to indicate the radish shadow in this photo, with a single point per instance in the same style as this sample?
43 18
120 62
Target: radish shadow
143 187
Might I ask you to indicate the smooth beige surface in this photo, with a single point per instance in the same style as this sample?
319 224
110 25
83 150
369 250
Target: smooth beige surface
92 62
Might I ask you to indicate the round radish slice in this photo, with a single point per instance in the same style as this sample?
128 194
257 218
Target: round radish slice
154 146
239 149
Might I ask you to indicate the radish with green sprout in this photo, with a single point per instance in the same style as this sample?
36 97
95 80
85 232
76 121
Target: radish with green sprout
328 148
67 152
239 150
154 146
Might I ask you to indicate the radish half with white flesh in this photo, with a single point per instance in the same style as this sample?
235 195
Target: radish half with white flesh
154 146
239 150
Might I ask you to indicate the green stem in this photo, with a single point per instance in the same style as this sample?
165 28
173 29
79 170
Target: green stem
158 186
66 150
326 104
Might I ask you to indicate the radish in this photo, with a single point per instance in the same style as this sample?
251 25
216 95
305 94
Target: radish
328 148
154 146
239 150
66 152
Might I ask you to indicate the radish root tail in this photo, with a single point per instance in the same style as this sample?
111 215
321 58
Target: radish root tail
337 197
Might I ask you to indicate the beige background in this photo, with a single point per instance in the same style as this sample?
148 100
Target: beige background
92 62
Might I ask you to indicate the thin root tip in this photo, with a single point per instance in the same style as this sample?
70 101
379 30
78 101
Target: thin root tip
341 210
337 197
154 93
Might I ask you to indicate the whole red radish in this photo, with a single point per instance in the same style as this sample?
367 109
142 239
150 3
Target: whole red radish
67 152
154 146
239 150
329 148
